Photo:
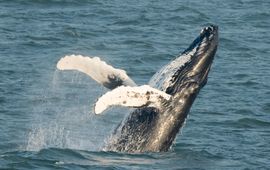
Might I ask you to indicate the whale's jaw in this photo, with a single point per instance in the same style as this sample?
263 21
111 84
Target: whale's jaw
185 86
150 129
201 52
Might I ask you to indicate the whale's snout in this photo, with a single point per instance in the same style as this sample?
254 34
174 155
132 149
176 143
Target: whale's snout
212 29
201 54
205 53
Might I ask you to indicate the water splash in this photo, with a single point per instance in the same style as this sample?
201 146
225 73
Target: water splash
61 115
53 135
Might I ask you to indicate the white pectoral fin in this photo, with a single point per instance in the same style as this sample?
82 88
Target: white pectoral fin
97 69
131 97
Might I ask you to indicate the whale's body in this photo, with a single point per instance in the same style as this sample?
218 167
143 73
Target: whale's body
163 106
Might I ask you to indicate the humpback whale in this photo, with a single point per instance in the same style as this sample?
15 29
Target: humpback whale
161 107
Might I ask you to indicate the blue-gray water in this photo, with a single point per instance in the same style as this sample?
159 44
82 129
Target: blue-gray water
46 119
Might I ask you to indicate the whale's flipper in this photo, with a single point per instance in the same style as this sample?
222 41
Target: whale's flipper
97 69
132 97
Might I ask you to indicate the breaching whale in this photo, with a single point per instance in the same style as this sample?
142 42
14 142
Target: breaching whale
162 106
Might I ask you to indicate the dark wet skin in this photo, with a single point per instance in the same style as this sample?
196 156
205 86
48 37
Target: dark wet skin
151 129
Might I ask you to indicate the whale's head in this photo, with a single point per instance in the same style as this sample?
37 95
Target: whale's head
199 57
184 77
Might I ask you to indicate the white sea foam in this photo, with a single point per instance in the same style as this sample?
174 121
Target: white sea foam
61 115
52 135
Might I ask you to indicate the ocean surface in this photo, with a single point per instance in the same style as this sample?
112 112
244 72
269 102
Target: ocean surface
46 115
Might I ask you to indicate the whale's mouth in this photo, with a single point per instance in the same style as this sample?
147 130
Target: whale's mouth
204 55
204 40
201 52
